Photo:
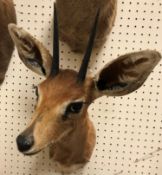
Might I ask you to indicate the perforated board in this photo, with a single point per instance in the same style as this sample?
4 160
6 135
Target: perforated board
129 128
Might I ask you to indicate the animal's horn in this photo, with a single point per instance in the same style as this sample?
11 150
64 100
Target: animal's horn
55 61
85 62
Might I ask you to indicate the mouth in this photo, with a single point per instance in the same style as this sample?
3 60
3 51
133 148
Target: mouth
31 153
35 150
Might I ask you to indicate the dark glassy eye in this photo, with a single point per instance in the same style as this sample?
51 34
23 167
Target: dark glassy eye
74 107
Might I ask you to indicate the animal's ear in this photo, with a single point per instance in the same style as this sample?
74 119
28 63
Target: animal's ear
125 74
33 54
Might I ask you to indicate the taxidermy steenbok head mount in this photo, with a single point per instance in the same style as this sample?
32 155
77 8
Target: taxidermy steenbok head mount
61 118
76 18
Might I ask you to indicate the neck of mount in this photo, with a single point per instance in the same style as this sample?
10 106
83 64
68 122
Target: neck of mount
72 149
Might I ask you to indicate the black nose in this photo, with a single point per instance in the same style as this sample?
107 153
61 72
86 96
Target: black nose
24 143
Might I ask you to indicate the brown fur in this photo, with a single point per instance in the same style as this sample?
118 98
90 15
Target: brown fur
72 140
83 130
27 51
47 125
76 18
67 153
7 15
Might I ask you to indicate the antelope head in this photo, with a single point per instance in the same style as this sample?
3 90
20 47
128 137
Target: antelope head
65 95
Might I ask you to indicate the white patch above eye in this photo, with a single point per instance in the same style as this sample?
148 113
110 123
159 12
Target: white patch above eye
63 107
65 104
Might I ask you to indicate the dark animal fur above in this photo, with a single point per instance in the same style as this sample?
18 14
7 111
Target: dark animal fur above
76 18
7 15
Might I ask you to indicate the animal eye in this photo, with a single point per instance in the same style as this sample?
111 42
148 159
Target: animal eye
74 107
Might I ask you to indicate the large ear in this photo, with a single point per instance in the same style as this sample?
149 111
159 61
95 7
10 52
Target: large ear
33 54
125 74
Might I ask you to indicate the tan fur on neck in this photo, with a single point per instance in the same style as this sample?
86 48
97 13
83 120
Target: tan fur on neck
75 149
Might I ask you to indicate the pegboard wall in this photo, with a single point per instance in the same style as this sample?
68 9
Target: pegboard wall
129 128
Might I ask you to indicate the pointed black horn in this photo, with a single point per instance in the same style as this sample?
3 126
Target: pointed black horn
83 69
55 61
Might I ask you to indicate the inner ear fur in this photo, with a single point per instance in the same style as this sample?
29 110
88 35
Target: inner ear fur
32 52
126 73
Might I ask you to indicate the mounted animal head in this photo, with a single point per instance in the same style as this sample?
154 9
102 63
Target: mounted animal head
63 98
